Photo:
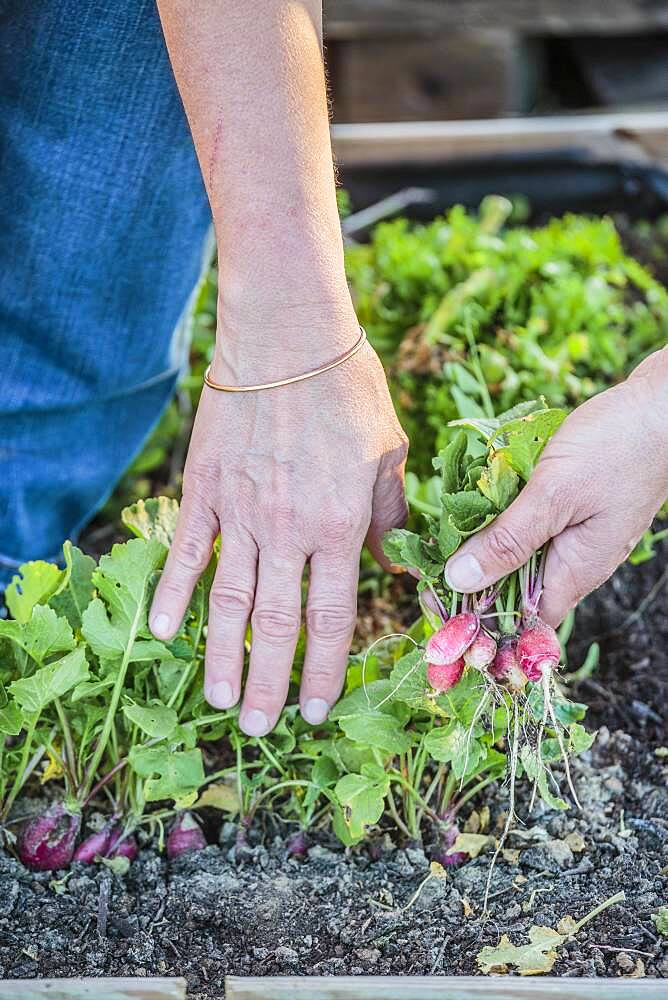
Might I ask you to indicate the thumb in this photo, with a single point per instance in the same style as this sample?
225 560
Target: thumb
530 521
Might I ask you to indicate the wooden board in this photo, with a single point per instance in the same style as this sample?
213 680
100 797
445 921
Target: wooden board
643 134
91 989
371 18
409 79
440 988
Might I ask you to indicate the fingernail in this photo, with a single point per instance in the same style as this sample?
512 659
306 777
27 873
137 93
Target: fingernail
220 695
464 573
160 625
315 711
254 722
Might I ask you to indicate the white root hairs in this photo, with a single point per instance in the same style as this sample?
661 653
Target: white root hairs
391 635
514 751
564 756
482 705
539 744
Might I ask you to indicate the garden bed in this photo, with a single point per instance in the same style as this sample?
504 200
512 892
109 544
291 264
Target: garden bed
335 912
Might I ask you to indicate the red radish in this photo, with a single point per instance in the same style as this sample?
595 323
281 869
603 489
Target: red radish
443 676
538 649
505 667
125 847
298 845
47 841
451 642
446 841
185 835
94 846
481 652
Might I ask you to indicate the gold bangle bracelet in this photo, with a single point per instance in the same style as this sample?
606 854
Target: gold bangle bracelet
288 381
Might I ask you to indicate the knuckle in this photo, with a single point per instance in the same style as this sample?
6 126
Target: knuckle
172 590
557 498
265 690
504 545
330 624
231 601
340 525
191 553
275 624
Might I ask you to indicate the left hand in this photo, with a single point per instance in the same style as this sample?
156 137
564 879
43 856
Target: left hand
290 475
597 487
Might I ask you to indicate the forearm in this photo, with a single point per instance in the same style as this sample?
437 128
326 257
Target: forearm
252 81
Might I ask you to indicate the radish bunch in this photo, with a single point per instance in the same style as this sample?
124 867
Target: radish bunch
511 660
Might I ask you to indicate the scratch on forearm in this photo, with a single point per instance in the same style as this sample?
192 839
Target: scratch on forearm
215 149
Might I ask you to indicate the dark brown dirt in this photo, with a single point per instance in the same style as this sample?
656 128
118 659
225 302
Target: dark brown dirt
337 913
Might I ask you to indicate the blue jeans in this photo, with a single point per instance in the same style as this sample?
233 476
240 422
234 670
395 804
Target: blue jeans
103 220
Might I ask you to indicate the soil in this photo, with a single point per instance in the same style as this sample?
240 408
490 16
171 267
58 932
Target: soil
336 912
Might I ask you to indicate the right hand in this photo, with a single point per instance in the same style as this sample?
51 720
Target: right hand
596 489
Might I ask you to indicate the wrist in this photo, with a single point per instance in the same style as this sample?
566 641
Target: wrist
265 338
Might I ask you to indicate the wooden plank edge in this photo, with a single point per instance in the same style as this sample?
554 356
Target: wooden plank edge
130 988
440 988
375 143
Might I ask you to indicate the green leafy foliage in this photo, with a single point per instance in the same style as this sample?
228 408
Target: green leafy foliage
558 311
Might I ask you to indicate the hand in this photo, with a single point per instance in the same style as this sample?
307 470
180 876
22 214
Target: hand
288 475
595 490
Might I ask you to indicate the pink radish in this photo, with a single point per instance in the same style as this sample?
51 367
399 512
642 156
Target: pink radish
451 642
446 841
443 676
298 845
185 835
47 841
123 848
94 846
481 652
538 649
506 668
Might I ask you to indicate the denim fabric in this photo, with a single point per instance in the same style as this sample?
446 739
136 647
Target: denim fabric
103 219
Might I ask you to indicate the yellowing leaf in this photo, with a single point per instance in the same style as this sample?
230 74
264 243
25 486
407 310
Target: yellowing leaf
34 584
152 519
471 843
437 870
54 768
541 953
220 795
529 959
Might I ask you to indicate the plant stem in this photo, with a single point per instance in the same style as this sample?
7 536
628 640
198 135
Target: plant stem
399 778
270 756
472 792
292 783
392 806
105 780
20 773
117 689
617 898
72 762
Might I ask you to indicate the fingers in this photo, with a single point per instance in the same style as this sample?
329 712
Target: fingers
540 512
230 605
579 560
389 510
276 620
330 622
189 555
